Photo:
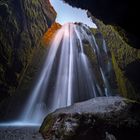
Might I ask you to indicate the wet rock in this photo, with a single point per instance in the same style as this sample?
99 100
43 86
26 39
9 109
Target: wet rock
102 118
109 136
20 133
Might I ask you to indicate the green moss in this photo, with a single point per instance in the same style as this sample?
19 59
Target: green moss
47 124
129 101
122 33
120 78
123 52
34 2
124 86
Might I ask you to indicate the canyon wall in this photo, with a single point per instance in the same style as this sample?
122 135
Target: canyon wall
125 60
22 24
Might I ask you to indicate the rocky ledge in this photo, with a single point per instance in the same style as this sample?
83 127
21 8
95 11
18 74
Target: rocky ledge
101 118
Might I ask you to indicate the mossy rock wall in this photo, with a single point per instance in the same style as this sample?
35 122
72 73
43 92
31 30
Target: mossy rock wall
22 24
122 55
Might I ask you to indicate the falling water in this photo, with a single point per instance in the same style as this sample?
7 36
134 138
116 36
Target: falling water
68 74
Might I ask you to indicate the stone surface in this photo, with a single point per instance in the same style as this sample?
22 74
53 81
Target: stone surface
125 60
49 35
102 118
19 133
22 24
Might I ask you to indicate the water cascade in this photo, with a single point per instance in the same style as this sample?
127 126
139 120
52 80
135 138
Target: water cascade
69 75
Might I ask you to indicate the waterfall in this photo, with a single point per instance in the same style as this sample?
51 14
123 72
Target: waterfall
68 74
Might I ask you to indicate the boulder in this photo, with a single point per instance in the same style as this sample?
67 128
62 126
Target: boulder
101 118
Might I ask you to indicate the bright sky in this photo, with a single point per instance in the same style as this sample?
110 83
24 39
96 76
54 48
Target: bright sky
66 13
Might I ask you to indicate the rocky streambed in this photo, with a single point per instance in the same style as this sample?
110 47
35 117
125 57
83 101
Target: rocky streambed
20 133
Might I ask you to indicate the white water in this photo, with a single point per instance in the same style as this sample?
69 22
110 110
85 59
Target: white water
68 76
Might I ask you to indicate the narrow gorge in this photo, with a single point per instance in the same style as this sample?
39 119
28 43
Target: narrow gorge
68 73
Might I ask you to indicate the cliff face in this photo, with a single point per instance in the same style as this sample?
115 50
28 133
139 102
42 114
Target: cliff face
13 105
125 60
22 24
121 13
47 37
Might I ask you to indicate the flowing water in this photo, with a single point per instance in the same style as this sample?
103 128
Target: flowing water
76 69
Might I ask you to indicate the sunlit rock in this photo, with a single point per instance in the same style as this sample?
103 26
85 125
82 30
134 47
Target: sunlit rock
49 35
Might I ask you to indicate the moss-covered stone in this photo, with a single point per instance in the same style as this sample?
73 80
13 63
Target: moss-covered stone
124 53
45 128
124 86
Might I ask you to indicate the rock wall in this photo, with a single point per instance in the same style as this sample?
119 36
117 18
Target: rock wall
49 35
22 24
125 59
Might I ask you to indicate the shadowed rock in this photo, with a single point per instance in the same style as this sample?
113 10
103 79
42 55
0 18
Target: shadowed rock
102 118
121 13
22 24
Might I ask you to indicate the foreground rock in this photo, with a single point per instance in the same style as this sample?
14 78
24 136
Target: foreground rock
102 118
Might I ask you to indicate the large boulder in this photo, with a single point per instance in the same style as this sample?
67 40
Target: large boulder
101 118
